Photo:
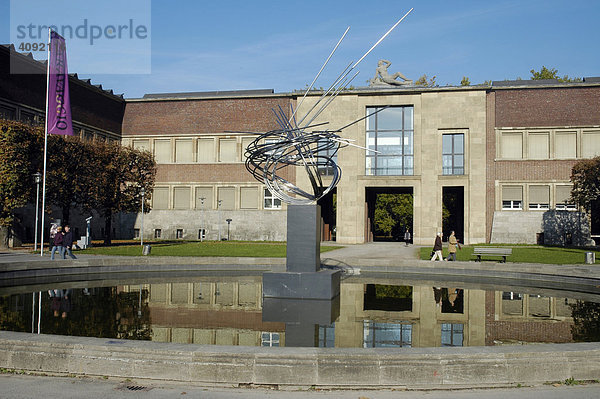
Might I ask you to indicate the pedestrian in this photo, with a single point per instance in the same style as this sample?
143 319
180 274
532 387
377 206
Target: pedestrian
437 247
68 243
452 243
57 243
407 236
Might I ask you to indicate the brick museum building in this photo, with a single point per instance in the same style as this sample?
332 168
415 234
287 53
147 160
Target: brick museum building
497 157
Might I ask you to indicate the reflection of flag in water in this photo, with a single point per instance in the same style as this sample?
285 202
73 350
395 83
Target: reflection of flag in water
59 104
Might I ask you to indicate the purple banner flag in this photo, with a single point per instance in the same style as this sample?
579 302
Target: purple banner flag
59 104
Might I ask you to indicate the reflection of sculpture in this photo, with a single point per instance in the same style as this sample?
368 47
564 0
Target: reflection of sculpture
382 76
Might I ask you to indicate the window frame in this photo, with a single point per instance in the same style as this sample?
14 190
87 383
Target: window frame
272 198
373 160
454 170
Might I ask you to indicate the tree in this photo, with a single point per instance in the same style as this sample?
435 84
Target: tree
20 158
465 81
125 171
585 176
422 81
551 73
393 214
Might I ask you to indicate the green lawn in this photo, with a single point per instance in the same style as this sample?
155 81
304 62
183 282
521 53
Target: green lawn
523 254
206 248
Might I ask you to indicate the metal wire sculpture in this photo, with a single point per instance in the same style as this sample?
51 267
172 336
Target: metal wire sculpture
295 144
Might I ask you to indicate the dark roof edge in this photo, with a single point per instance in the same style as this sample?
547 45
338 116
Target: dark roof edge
42 65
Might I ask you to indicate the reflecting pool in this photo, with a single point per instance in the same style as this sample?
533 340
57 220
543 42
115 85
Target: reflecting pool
370 312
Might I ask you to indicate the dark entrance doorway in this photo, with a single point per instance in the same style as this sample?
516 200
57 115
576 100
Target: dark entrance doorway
453 212
328 215
595 221
389 211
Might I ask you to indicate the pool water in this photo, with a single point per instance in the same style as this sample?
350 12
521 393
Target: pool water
370 312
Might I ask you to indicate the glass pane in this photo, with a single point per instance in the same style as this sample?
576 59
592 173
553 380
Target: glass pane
408 118
447 164
459 161
459 143
447 144
408 143
408 166
371 119
370 165
390 119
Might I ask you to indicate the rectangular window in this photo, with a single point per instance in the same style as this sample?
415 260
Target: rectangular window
141 145
162 151
269 339
590 144
539 145
565 145
390 132
249 198
563 198
227 150
326 170
453 154
511 145
160 198
245 143
206 150
539 197
452 334
386 335
271 202
201 234
136 233
179 233
184 151
157 233
512 303
7 112
327 336
512 197
204 197
226 197
181 197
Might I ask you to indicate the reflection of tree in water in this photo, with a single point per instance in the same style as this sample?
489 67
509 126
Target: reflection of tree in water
103 314
586 321
388 297
11 318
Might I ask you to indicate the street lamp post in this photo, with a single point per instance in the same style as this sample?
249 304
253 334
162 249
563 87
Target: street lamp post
142 192
219 216
203 229
228 223
37 178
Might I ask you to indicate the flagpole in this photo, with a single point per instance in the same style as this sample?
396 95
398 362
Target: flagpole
45 145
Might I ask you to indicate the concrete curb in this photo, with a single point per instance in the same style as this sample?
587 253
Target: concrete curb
308 367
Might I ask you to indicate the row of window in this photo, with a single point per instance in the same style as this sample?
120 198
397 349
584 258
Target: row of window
548 144
538 197
396 335
208 198
36 118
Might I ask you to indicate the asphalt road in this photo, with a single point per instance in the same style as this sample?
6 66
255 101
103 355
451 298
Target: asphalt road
13 386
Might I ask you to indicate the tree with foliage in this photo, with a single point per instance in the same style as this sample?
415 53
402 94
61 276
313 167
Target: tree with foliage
586 321
124 173
465 81
422 81
393 214
585 176
551 73
20 158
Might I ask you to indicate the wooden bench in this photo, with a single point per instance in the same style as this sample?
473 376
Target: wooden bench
492 251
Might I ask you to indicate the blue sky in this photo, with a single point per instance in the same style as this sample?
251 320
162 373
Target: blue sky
201 45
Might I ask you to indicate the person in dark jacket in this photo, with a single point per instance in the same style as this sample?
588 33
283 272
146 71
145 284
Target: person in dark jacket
437 247
57 243
68 243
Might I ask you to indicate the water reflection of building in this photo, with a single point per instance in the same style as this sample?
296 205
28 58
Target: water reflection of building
522 318
212 312
229 312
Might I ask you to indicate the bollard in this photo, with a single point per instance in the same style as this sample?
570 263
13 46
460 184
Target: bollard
147 249
590 258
